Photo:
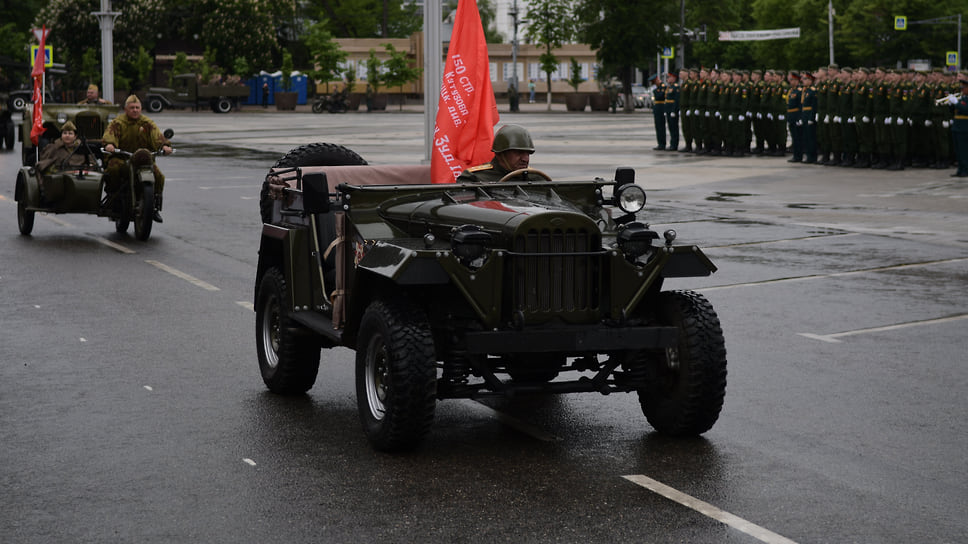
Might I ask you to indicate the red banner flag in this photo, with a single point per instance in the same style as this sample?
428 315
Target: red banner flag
467 111
38 74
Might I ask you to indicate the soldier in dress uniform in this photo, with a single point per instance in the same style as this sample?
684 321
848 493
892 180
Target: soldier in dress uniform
672 109
882 123
808 118
959 128
687 90
898 117
700 122
758 99
658 112
793 116
862 110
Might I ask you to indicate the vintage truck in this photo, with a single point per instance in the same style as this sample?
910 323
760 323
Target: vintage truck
471 290
187 92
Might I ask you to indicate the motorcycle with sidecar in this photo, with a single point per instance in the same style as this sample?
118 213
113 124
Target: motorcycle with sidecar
81 189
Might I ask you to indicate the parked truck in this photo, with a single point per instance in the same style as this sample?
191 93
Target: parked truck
187 92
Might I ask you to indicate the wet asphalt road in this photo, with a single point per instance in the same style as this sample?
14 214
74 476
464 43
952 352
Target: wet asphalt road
131 407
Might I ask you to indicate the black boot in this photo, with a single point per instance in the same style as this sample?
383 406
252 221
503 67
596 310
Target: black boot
863 161
156 215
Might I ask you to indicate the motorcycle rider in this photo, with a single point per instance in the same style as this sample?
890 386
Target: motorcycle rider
131 132
512 149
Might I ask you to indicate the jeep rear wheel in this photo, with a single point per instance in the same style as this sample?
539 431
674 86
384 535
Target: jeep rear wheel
395 375
25 217
317 154
155 105
686 384
288 354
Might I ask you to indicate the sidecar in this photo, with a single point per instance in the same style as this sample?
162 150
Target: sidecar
73 190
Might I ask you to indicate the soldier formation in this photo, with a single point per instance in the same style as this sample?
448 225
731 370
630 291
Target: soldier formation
863 118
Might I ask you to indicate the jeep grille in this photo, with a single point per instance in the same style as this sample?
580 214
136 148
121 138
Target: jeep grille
555 272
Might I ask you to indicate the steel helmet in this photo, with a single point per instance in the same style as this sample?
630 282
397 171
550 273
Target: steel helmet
512 137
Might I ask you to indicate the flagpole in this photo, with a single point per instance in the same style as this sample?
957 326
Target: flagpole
433 48
830 28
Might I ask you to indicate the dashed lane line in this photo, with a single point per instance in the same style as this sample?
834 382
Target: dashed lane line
245 304
113 245
833 338
736 522
179 274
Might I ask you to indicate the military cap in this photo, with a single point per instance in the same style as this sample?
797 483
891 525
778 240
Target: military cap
864 69
794 73
68 126
963 80
133 99
92 87
847 70
833 66
757 71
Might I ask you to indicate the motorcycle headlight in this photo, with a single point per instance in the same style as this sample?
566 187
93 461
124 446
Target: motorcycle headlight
469 244
61 118
635 240
630 198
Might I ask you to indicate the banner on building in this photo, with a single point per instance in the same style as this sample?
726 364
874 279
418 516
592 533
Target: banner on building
756 35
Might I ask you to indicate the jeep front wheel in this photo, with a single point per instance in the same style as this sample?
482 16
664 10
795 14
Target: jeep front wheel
395 375
686 384
288 355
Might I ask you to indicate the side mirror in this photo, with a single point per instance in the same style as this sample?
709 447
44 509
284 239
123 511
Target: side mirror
315 190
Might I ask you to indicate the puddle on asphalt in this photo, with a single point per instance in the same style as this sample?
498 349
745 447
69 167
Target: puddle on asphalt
226 152
727 197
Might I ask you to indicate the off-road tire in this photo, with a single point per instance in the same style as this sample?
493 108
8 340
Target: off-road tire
686 385
25 218
155 105
317 154
288 353
395 375
144 214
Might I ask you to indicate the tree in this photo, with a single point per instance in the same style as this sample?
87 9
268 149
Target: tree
374 73
367 18
625 34
325 53
286 71
398 71
552 24
243 28
574 78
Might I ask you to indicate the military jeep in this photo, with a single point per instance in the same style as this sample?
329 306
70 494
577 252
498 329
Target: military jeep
476 290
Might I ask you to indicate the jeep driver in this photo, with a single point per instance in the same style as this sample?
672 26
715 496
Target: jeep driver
512 152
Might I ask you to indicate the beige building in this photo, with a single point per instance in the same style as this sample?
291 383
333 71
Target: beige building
502 69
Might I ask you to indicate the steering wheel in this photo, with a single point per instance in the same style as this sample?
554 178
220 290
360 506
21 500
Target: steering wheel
520 171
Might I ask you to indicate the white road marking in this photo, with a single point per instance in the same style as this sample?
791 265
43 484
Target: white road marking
522 426
113 245
834 274
833 338
82 339
736 522
245 304
56 219
248 461
210 187
149 388
187 277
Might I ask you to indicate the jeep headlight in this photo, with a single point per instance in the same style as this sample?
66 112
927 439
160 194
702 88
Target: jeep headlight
469 244
630 198
61 118
635 240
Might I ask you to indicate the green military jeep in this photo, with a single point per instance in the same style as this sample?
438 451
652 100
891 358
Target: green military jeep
477 290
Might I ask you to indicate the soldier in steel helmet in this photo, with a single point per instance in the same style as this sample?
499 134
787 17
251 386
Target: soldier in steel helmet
512 151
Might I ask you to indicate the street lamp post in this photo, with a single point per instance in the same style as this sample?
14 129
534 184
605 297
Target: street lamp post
106 19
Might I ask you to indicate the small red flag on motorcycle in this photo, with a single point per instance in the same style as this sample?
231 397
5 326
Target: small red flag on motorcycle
466 111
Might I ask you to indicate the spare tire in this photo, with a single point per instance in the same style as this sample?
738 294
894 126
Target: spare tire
317 154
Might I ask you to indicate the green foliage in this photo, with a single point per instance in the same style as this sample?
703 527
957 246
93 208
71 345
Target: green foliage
552 24
90 71
374 67
574 78
325 53
181 64
367 18
350 76
286 71
397 68
242 28
487 10
142 66
240 67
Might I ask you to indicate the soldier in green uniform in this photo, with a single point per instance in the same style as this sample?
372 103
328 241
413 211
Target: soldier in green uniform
711 133
921 103
512 149
823 115
882 122
92 96
862 110
781 91
687 91
898 115
722 113
808 118
847 119
131 132
700 122
959 129
940 121
672 109
758 90
793 116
